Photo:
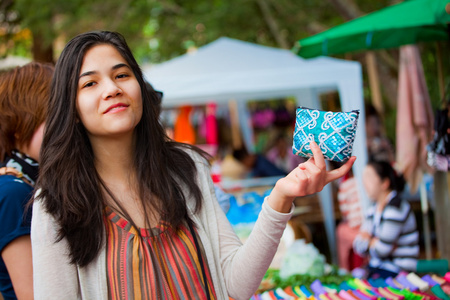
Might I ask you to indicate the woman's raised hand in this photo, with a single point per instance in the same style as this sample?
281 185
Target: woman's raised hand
308 178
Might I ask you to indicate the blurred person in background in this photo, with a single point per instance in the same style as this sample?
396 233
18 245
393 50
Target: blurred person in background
379 147
388 235
256 165
24 93
281 155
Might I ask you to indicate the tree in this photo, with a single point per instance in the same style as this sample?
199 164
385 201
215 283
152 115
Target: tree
13 39
158 30
59 20
279 23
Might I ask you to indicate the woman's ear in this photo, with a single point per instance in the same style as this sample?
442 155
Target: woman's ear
385 184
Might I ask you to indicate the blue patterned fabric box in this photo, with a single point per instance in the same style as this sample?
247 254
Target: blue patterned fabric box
334 132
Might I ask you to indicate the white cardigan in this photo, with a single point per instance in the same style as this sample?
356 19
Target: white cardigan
236 269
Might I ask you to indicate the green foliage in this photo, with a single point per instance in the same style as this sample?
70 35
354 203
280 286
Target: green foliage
38 16
51 19
332 278
429 55
199 22
160 30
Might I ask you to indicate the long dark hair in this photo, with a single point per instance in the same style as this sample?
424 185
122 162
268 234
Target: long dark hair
71 188
385 170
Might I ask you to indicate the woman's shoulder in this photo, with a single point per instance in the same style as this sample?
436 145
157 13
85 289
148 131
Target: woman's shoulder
370 211
14 196
197 155
12 186
398 209
399 202
43 221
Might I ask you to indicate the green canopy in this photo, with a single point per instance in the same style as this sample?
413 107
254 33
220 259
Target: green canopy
408 22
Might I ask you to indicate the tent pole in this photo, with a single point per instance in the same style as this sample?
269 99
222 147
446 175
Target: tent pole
426 222
234 119
374 82
442 221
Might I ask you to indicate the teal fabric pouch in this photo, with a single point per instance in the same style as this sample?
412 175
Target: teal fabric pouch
334 132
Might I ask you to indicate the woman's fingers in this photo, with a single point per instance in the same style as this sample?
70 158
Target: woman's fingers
316 176
316 169
308 178
319 161
341 171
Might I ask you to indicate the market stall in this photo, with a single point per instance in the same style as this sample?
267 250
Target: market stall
229 69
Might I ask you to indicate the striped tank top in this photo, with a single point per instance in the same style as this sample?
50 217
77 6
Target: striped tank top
161 265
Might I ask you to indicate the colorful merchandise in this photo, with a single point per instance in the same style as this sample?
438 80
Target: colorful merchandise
404 286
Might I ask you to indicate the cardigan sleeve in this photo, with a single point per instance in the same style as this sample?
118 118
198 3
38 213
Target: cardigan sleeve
53 275
243 265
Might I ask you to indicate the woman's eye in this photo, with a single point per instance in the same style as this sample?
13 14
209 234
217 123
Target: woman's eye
88 84
122 75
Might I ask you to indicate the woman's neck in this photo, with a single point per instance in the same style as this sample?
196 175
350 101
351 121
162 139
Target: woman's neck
114 162
383 200
114 159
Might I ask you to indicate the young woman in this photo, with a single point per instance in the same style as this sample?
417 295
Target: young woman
389 234
123 212
24 93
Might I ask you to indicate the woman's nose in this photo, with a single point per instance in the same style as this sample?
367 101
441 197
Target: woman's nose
111 90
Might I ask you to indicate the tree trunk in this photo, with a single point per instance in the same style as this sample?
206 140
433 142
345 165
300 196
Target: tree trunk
374 82
42 52
349 10
272 24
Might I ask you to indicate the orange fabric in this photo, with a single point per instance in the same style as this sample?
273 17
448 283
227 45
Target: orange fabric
183 130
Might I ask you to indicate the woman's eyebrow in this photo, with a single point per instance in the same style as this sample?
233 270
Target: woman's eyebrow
121 65
87 73
115 67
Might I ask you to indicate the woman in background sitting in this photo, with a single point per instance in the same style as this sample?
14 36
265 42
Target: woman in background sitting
389 235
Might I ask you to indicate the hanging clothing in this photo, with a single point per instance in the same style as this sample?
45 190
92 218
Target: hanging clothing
183 130
211 124
414 122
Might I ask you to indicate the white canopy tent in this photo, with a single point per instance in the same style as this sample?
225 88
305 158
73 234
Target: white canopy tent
231 69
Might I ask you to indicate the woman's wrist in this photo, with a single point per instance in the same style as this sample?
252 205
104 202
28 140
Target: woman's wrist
279 202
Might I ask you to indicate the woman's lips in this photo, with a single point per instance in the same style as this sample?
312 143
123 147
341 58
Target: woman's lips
116 108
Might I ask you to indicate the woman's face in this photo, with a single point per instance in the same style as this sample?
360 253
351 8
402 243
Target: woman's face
109 101
373 184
